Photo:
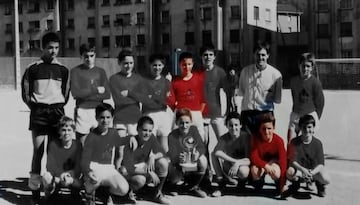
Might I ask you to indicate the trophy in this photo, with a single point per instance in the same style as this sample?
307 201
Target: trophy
189 145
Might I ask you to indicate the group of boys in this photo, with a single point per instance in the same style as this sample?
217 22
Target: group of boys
142 141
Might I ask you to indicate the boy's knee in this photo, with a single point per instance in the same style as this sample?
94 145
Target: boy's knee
290 173
162 167
137 182
256 172
202 163
323 177
243 172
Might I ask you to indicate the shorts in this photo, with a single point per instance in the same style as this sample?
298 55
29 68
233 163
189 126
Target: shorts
102 172
44 119
295 117
128 129
163 121
85 120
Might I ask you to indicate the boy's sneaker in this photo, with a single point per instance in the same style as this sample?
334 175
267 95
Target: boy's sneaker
198 192
320 189
217 193
258 184
241 185
294 187
161 199
35 197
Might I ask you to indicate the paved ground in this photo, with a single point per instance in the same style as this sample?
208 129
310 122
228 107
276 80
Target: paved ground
339 132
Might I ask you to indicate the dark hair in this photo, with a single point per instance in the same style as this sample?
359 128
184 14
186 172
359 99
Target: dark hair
262 45
266 117
207 47
124 53
103 107
49 37
184 55
87 47
306 119
143 120
183 112
157 56
232 115
66 121
307 57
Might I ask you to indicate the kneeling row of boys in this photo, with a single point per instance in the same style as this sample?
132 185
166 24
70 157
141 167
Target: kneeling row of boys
124 165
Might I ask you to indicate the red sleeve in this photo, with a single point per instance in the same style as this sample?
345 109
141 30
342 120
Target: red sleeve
171 100
255 155
282 159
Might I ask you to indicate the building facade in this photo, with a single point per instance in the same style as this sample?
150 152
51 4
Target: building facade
327 28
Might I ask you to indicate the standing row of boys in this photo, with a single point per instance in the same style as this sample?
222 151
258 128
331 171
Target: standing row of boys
139 142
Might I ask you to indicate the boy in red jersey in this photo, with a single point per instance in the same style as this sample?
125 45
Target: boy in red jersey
187 92
268 155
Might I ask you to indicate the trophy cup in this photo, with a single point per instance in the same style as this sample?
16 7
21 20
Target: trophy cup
189 144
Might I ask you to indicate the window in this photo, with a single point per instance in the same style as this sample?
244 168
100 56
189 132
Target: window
50 4
323 5
235 12
122 2
71 43
105 41
234 36
206 15
70 4
91 4
346 53
20 7
34 26
346 29
206 37
189 38
267 15
165 17
105 3
9 47
34 7
140 17
49 24
141 39
122 20
256 13
21 46
123 41
323 30
235 59
189 14
345 4
91 41
91 22
34 44
21 29
8 28
106 21
165 38
8 9
70 24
